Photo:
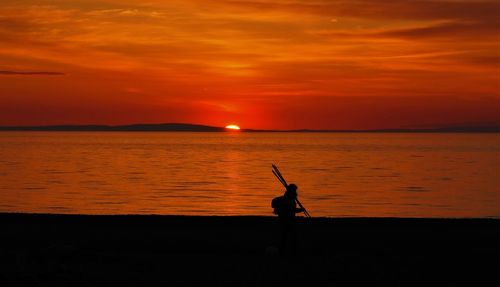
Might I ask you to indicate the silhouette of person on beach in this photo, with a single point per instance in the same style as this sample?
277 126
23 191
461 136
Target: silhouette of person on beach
286 207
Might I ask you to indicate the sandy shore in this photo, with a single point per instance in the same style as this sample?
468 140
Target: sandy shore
74 250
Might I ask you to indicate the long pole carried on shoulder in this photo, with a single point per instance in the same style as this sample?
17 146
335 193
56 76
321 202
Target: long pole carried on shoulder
280 177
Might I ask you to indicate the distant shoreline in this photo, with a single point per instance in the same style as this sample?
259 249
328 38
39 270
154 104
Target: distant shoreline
179 127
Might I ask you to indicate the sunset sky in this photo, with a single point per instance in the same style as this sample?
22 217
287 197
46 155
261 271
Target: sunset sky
290 64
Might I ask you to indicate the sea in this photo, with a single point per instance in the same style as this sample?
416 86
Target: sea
445 175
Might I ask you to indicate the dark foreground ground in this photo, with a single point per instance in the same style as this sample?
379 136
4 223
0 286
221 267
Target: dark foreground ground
73 250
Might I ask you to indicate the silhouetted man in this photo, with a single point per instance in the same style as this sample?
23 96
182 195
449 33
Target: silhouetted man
286 208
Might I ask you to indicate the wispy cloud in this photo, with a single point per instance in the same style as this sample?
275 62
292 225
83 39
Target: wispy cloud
448 30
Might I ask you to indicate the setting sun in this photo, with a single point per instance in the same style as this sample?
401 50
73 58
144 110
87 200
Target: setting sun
233 127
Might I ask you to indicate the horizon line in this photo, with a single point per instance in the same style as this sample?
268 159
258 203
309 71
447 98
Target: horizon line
208 128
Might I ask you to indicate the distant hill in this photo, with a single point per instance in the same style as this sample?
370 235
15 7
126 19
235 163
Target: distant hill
170 127
179 127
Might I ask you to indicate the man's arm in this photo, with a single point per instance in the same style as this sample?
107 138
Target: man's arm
299 210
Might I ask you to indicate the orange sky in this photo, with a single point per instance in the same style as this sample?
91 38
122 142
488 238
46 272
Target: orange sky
290 64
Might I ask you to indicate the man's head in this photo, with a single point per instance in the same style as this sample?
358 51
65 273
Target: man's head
291 190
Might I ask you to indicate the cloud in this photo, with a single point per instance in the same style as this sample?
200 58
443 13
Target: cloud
447 30
31 73
381 9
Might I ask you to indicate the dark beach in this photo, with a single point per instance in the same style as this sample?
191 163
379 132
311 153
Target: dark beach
77 250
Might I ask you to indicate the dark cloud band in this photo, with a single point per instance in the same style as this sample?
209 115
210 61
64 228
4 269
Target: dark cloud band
31 73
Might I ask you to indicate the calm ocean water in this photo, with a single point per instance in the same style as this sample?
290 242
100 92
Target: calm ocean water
352 174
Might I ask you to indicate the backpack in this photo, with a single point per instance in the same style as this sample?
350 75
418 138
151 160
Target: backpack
277 203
